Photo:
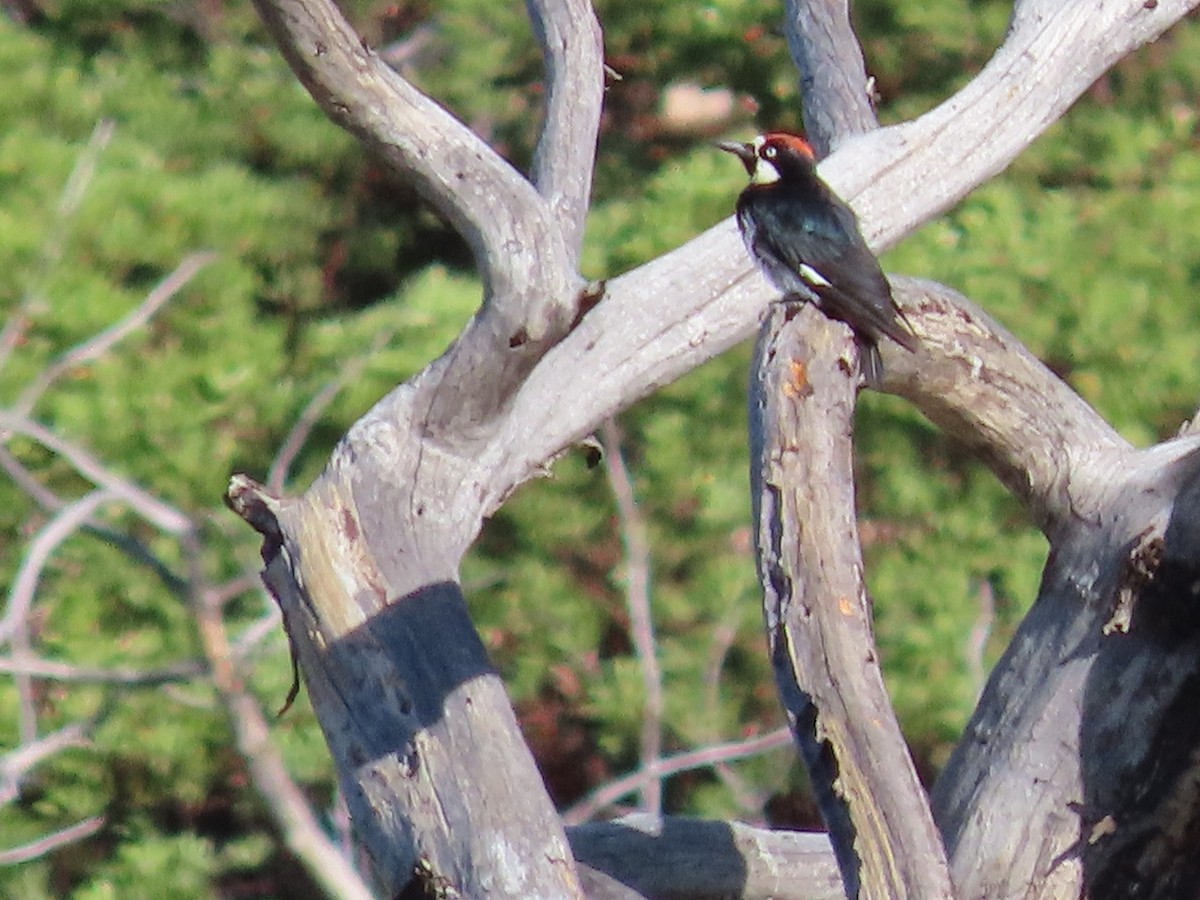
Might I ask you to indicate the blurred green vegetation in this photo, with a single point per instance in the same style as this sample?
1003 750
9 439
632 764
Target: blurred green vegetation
1088 249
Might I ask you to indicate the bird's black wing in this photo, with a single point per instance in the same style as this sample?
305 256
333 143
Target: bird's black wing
815 249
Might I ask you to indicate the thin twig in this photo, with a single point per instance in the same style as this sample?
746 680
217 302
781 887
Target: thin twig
39 848
637 599
248 641
56 239
57 530
666 766
15 765
126 543
99 344
159 514
28 484
977 638
724 634
54 670
14 626
277 475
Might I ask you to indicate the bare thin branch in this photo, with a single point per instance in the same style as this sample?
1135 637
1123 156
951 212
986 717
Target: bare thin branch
292 445
55 670
37 555
248 641
637 601
17 764
99 344
123 541
51 842
55 243
573 53
607 794
27 482
159 514
14 626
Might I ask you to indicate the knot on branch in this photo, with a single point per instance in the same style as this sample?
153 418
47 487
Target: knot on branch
259 508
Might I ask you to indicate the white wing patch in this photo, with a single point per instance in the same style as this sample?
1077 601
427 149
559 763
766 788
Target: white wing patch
813 277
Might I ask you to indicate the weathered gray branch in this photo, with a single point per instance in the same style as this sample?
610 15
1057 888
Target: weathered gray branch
429 755
365 563
833 76
1074 770
818 615
698 859
525 258
573 51
681 309
984 388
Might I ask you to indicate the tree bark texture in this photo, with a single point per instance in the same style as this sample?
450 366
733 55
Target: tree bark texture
1070 777
818 615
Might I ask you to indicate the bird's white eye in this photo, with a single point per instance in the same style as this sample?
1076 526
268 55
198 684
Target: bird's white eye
768 152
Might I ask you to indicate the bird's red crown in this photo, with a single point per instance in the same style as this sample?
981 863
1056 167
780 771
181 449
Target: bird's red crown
792 142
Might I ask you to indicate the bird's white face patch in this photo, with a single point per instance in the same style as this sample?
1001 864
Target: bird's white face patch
812 276
765 171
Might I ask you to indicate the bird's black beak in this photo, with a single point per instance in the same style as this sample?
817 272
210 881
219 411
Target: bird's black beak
744 152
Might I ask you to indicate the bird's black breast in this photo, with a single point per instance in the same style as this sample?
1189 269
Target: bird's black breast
796 224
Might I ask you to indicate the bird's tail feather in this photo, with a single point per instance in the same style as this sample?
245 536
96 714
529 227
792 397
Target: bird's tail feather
870 363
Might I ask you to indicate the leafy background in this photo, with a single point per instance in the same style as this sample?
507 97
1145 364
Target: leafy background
1088 248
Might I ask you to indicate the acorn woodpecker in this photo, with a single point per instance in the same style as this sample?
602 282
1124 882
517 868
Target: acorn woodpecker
807 241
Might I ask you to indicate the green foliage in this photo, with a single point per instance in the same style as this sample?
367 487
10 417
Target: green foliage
1086 249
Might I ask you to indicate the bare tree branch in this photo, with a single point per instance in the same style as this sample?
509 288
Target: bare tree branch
573 51
99 344
27 482
664 767
702 860
61 671
57 530
1070 777
16 765
818 614
452 167
439 782
280 794
531 286
15 623
51 842
637 601
978 383
833 77
277 474
56 239
159 514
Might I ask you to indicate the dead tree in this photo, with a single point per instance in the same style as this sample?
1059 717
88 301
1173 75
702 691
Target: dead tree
1076 774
